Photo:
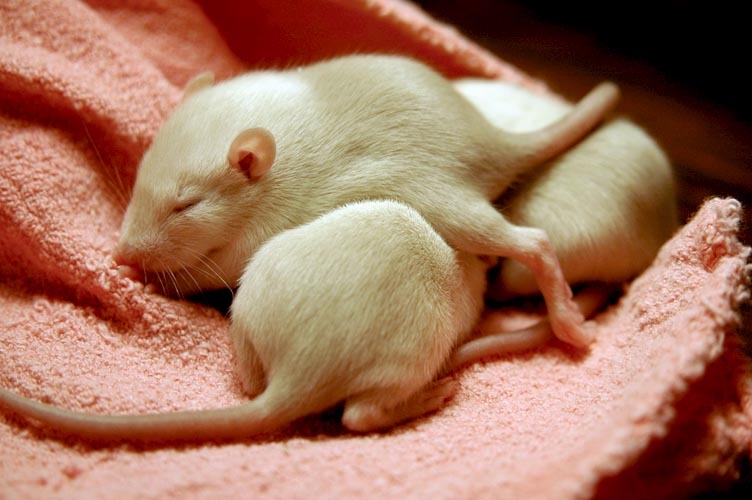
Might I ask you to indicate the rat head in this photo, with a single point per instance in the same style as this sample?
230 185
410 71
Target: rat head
191 195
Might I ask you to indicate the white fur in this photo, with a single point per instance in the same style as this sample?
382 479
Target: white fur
362 305
365 303
607 204
361 127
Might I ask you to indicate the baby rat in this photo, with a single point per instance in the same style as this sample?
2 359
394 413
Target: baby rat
607 205
363 305
240 161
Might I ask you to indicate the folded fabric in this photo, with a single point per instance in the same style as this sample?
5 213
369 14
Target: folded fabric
659 407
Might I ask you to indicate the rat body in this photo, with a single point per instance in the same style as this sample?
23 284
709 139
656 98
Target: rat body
607 205
391 302
363 305
240 161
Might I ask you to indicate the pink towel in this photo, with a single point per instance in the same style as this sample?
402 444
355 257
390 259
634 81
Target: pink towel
659 407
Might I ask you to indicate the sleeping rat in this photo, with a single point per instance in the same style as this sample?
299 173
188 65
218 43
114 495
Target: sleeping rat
243 160
607 204
259 355
362 305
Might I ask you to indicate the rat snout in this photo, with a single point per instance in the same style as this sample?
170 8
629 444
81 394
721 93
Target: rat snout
127 264
148 255
136 247
135 250
125 255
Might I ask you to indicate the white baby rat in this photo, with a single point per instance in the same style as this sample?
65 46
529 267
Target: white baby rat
363 305
243 160
607 204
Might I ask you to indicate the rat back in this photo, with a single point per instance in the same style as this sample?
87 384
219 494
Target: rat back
367 298
607 204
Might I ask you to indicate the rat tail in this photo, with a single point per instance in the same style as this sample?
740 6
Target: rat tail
257 416
544 144
493 341
530 149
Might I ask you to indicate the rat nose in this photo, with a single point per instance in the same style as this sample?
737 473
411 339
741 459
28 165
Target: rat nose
119 259
124 255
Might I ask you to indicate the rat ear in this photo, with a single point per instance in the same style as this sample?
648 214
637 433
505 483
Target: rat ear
198 82
252 152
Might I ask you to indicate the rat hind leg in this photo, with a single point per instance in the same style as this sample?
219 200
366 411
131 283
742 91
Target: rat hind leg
477 227
367 411
250 369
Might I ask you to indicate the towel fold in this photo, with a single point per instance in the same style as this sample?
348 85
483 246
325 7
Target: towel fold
660 406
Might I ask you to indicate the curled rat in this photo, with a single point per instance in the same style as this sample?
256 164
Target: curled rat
608 204
363 305
240 161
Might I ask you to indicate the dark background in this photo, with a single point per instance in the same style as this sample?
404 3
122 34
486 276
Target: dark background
703 45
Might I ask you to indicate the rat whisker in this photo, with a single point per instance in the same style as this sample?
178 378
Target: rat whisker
118 188
214 268
160 280
208 268
174 281
189 274
164 280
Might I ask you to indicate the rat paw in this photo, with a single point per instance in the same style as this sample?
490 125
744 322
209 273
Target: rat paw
130 272
432 397
571 329
366 415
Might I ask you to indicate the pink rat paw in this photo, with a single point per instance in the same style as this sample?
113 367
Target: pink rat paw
366 416
135 274
570 327
131 273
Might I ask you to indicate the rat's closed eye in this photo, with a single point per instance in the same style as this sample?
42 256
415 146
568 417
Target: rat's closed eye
183 205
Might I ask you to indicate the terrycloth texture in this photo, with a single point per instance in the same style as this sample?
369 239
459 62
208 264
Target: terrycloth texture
659 407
